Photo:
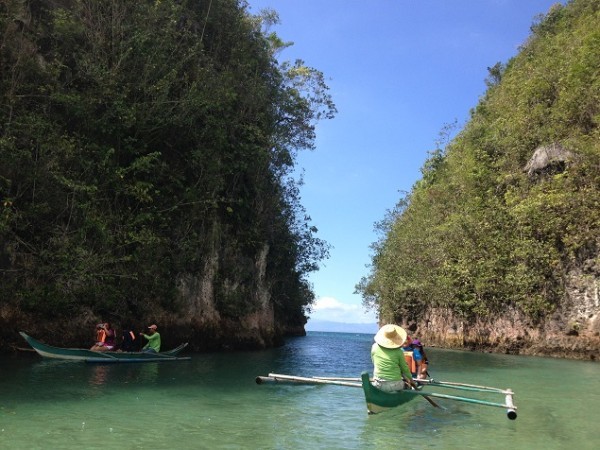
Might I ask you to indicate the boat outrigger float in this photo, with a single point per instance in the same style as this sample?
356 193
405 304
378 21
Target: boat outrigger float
89 356
378 400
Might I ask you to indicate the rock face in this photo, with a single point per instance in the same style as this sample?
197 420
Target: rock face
205 330
571 332
198 321
546 158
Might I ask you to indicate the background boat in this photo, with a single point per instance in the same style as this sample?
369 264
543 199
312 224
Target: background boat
81 354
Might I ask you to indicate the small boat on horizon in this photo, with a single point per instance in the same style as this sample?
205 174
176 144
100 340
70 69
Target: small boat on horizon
90 356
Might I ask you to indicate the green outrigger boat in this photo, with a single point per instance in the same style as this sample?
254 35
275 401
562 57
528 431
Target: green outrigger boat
378 400
89 356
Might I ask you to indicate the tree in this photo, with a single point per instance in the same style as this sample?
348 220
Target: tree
143 139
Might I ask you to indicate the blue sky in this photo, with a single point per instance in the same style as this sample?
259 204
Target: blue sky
398 71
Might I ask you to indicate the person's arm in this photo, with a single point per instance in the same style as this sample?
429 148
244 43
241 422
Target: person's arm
147 338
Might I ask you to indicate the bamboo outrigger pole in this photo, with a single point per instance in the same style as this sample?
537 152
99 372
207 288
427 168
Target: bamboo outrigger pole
447 384
511 409
511 412
353 382
463 386
274 378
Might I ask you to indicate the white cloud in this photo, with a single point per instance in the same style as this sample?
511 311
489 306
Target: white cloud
332 309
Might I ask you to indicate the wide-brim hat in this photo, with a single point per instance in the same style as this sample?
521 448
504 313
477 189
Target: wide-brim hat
391 336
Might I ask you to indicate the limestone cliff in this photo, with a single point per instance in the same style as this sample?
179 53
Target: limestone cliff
198 321
573 331
497 246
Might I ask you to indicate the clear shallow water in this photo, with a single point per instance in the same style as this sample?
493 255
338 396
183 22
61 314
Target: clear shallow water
212 401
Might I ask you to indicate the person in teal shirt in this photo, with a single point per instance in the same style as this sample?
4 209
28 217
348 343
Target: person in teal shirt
153 345
390 368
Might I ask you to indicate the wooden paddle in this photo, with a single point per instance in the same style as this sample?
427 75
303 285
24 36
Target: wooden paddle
434 404
429 398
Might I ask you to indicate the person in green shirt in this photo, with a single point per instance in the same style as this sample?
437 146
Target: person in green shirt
153 345
391 371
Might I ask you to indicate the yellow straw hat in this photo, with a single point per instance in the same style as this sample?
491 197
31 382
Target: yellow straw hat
391 336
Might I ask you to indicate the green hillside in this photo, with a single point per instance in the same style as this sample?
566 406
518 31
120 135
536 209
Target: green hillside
146 149
485 230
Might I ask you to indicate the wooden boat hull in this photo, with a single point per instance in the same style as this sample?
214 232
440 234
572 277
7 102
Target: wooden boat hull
378 400
81 354
149 357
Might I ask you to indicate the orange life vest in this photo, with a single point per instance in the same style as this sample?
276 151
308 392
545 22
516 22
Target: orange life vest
101 335
412 365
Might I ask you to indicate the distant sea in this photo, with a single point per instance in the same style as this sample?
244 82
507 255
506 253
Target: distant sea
340 327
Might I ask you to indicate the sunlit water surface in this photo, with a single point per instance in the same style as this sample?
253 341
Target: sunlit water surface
213 401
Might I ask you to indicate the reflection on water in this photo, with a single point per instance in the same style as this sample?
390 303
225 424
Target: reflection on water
124 373
73 373
56 380
99 373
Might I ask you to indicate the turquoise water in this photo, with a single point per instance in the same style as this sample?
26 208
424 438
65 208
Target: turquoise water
213 401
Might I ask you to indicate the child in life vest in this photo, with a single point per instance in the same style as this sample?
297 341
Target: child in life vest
105 338
420 358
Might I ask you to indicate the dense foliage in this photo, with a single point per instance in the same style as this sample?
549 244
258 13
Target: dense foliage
477 234
143 141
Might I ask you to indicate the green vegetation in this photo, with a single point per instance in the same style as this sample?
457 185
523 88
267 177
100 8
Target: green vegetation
147 142
477 234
